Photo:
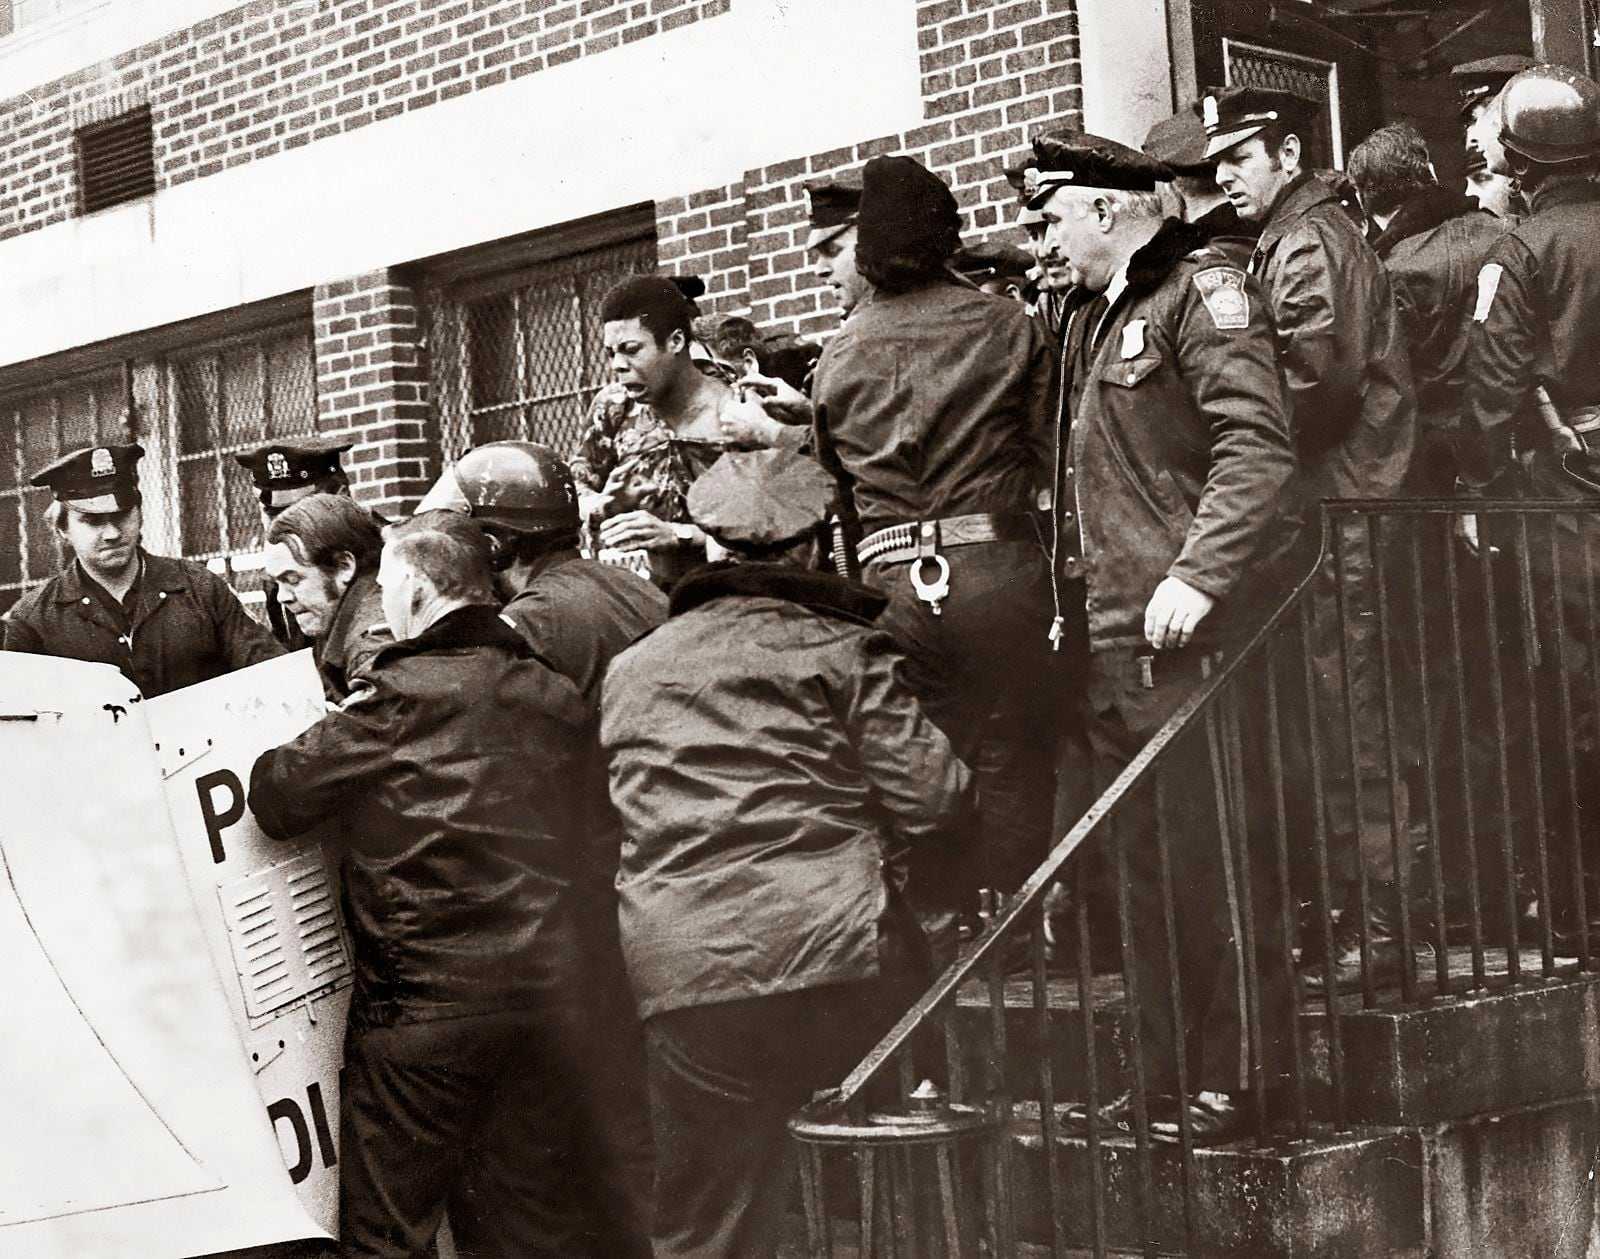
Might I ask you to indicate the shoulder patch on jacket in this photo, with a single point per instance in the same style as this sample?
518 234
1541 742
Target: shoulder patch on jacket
1222 290
1488 286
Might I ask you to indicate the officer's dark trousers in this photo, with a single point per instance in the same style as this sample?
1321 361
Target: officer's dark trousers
468 1114
983 672
724 1081
1222 879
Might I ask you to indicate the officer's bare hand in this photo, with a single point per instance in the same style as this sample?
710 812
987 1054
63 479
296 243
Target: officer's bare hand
636 531
1467 532
781 400
744 422
1174 613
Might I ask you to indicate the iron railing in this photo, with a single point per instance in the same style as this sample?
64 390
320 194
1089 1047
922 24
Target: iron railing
1445 693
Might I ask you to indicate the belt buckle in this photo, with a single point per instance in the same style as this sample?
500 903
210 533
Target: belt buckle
930 592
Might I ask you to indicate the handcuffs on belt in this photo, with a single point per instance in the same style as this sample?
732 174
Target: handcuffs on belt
930 592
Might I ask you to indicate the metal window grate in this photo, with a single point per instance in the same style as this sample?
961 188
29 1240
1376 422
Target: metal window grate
116 161
521 357
35 428
225 398
1310 78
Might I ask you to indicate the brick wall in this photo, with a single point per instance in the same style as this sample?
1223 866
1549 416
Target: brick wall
993 72
270 76
372 386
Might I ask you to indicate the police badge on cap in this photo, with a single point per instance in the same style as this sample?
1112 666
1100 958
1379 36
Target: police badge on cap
286 471
96 479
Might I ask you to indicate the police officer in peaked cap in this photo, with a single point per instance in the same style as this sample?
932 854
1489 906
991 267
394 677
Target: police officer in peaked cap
1176 398
283 473
1477 84
166 623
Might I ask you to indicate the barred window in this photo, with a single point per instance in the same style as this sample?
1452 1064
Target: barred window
225 398
35 428
521 356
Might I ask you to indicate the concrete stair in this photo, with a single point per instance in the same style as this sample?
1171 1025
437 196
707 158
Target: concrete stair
1472 1127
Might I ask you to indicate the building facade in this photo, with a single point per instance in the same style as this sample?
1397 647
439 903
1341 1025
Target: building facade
392 220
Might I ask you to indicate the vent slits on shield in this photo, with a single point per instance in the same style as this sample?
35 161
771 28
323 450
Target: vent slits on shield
283 926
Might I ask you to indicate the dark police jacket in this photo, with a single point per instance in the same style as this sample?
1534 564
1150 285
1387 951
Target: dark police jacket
1536 321
1340 342
452 781
1432 249
939 403
766 759
1179 445
580 614
190 626
356 635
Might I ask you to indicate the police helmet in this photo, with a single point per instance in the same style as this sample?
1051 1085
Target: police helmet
1550 115
521 487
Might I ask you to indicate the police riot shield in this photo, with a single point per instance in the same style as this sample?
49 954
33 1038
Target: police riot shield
269 909
137 1122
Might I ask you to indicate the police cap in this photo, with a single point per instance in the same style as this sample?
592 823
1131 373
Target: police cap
284 472
1231 115
832 206
1078 159
1477 81
1180 142
1024 181
994 260
95 479
761 500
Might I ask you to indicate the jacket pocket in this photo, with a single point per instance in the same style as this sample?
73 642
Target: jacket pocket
1129 373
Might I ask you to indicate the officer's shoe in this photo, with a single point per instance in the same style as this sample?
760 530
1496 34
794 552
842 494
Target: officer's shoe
1115 1118
1214 1119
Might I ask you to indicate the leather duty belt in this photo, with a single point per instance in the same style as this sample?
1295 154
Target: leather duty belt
898 543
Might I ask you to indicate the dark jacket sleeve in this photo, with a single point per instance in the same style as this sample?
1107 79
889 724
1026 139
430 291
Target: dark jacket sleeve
918 780
244 640
1501 354
1043 388
1238 392
1308 303
20 635
308 780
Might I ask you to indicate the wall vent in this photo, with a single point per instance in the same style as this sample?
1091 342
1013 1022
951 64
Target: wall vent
116 161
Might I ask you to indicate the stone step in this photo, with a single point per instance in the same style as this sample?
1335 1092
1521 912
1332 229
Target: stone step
1459 1056
1354 1195
1451 1057
1514 1184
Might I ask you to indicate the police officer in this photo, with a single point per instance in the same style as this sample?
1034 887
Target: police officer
769 762
283 473
1179 402
1343 352
166 623
1179 143
322 556
1531 420
938 401
1477 83
451 786
995 267
578 615
834 208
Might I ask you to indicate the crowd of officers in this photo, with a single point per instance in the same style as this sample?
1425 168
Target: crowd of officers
640 850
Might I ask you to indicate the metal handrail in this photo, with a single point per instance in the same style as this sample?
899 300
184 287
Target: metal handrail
1190 713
